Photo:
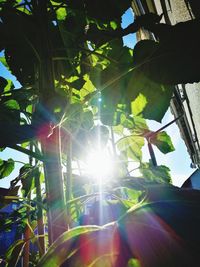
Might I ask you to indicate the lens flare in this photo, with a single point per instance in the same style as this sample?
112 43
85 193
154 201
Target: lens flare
100 165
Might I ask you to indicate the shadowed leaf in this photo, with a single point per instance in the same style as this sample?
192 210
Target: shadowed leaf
6 167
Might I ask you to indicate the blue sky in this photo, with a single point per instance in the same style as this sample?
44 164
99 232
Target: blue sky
178 161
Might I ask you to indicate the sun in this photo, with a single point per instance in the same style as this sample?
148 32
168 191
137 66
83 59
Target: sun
99 165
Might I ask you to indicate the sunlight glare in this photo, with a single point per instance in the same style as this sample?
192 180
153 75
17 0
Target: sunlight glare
100 166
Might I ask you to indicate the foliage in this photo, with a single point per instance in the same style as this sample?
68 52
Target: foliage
81 90
138 234
14 252
6 167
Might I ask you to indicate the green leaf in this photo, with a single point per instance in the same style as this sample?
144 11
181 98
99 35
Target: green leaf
138 105
126 121
155 173
63 248
127 195
11 105
14 252
140 126
139 84
61 13
163 142
9 86
6 167
132 147
26 175
119 130
88 87
23 97
133 263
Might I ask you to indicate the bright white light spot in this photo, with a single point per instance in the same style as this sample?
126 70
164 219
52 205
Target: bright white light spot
100 166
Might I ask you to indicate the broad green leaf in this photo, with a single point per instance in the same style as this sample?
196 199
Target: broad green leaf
11 105
155 173
140 126
167 61
163 142
138 105
23 97
14 252
131 146
132 194
159 223
126 122
25 144
113 25
23 9
63 248
128 196
61 13
87 88
119 129
133 263
26 175
6 167
138 84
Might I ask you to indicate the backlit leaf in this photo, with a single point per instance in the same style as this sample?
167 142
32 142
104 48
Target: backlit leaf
61 13
131 146
133 263
138 105
155 173
163 142
151 92
63 248
140 126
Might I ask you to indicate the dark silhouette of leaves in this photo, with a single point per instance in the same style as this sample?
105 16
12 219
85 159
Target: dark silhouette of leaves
175 58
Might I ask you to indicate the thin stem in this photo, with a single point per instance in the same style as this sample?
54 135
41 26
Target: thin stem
21 162
113 142
68 182
27 152
152 155
40 221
